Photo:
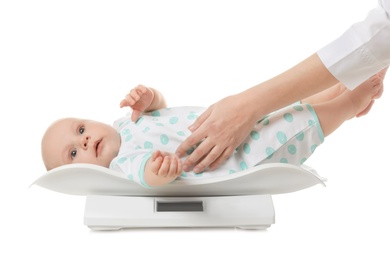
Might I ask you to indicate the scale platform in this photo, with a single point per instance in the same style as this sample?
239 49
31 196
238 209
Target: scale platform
240 200
119 212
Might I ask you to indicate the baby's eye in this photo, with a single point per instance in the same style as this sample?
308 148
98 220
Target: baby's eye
81 129
73 154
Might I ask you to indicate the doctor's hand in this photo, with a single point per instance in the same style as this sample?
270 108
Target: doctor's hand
220 129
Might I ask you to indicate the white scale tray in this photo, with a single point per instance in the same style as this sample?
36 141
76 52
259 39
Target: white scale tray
239 200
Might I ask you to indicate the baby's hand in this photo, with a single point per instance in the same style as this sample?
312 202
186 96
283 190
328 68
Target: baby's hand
166 165
139 99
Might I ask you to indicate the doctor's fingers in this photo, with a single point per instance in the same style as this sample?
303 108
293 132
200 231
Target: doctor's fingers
214 158
203 155
199 132
222 158
201 119
195 138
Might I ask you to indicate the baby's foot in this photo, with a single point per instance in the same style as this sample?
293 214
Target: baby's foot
364 95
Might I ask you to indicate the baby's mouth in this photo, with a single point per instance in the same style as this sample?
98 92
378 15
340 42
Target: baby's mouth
97 147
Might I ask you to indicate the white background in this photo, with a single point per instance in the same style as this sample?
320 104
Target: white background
79 58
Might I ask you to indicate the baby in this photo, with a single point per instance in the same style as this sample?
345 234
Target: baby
141 145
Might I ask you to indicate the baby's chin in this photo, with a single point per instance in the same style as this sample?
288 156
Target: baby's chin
105 163
107 160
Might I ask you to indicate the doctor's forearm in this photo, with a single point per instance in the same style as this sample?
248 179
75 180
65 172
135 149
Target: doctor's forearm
305 79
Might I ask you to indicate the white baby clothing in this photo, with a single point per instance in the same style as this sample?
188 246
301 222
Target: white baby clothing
289 135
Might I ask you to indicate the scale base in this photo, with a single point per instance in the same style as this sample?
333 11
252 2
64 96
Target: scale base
120 212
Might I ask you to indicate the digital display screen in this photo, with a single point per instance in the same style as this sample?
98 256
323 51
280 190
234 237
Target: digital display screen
182 206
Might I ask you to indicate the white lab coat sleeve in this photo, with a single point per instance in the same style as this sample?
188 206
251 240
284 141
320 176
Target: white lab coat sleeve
363 50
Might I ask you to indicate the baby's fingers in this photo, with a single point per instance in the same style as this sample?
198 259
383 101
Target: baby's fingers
156 154
179 166
137 92
174 167
164 169
157 160
128 101
124 103
156 165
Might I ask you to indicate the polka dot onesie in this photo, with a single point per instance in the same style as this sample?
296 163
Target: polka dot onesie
289 135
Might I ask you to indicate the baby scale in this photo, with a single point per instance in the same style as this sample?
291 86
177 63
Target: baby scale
241 200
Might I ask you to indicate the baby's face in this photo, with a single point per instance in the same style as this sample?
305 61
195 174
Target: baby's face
74 140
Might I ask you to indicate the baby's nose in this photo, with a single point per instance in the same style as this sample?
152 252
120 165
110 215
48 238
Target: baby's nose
84 142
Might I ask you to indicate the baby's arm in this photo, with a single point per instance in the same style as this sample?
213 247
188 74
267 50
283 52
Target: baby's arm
142 99
162 168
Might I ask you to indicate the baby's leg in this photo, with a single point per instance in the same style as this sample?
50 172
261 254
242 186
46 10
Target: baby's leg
333 113
325 95
292 134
